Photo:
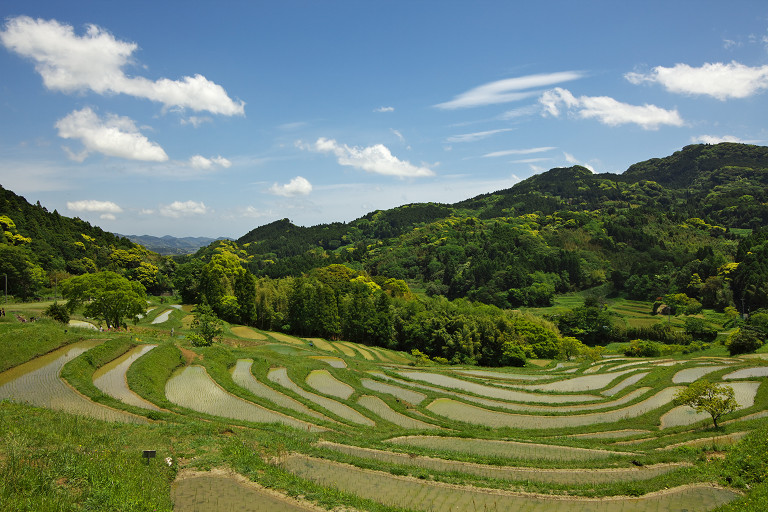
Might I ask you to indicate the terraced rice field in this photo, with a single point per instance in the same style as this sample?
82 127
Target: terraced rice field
505 449
242 376
219 491
531 474
248 333
110 378
335 362
324 382
459 411
37 382
379 407
415 494
280 376
496 434
759 371
194 389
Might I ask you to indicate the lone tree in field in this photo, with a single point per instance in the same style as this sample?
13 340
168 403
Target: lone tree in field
206 326
105 296
702 395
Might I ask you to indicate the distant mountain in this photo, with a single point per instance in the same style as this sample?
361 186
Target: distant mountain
169 246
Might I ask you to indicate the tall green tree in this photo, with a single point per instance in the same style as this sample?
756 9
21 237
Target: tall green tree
702 395
105 296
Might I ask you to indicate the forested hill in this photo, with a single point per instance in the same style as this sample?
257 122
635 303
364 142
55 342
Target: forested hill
39 249
658 227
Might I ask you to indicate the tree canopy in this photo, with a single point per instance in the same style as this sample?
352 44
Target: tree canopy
105 296
705 396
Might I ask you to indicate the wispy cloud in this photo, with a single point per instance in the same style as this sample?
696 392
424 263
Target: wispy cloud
575 161
178 209
384 109
377 159
94 61
298 186
197 121
608 110
526 151
719 80
472 137
115 136
510 89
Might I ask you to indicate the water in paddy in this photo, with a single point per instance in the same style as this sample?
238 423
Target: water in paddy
280 376
110 378
38 383
380 407
415 494
590 476
460 411
324 382
194 389
211 492
243 377
490 391
506 449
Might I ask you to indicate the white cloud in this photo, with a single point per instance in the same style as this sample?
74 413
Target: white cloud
472 137
200 162
714 139
179 209
146 211
510 89
398 135
527 151
95 61
298 186
384 109
376 159
107 216
93 205
608 110
115 136
196 121
721 81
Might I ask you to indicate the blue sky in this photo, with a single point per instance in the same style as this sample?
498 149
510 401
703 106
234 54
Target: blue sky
203 118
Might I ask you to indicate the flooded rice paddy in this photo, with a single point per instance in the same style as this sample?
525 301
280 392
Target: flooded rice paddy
490 391
590 476
416 494
280 376
242 376
379 407
37 382
758 371
110 378
194 389
327 384
505 449
220 491
460 411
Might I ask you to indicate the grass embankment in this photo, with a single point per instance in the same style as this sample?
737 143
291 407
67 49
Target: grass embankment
20 342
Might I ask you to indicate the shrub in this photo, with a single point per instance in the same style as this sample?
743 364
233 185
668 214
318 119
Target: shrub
744 341
643 348
57 312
